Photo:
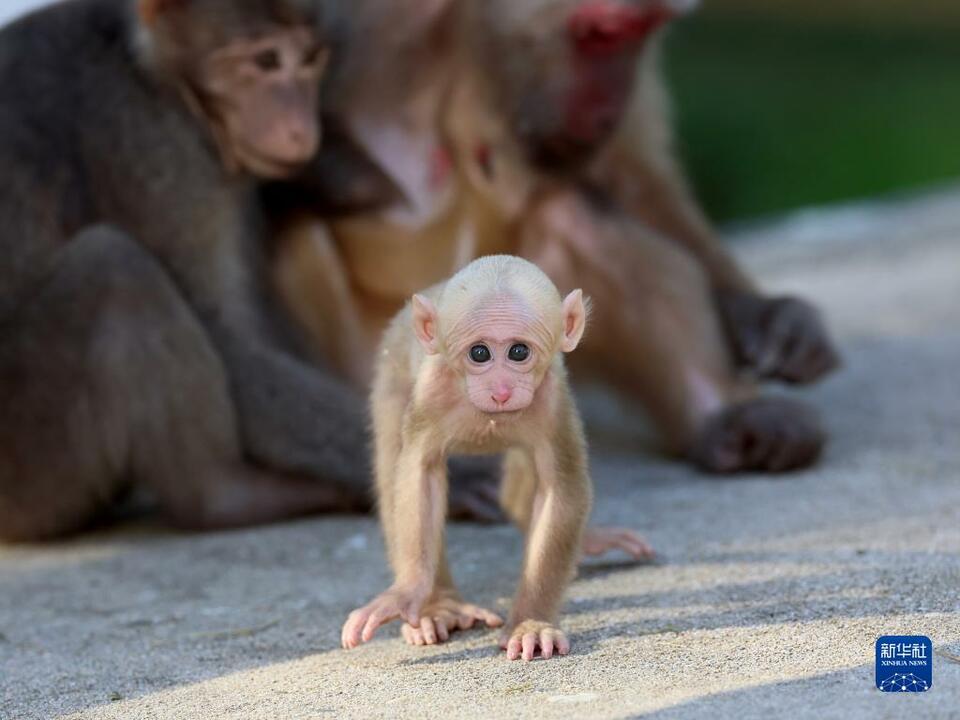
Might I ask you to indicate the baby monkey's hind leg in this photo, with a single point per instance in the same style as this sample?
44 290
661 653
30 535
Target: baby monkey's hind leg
517 498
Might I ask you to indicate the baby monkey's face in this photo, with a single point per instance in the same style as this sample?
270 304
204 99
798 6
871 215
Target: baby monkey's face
500 374
502 350
500 327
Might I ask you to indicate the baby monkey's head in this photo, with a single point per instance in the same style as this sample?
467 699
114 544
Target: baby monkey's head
500 324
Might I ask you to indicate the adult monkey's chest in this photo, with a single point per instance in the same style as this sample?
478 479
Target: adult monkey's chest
390 260
458 205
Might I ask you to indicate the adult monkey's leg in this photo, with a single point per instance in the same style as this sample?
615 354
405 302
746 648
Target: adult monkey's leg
106 377
655 333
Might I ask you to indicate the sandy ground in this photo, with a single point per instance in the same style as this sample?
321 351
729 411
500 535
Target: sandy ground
767 601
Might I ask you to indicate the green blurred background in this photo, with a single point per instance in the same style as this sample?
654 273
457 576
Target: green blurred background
783 104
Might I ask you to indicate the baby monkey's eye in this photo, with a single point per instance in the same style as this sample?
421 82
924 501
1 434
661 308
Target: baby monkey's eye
480 354
519 352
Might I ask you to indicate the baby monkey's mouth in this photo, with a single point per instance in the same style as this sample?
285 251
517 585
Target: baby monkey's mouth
505 412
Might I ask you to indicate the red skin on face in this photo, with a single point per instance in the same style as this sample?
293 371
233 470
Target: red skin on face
607 37
603 27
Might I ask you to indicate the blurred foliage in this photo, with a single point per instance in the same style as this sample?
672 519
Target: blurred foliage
900 12
775 114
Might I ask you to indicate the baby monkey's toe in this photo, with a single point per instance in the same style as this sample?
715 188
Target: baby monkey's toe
601 540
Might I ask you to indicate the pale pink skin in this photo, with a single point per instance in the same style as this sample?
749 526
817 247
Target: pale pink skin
500 385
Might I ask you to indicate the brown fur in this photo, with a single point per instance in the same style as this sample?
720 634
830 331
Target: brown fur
137 348
680 321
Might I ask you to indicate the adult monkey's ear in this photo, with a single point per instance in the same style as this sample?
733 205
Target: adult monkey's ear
574 320
425 323
150 10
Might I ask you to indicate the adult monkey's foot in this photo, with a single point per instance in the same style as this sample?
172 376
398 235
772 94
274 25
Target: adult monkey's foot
781 338
762 435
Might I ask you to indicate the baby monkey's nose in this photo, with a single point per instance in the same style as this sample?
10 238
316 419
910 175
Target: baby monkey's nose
502 395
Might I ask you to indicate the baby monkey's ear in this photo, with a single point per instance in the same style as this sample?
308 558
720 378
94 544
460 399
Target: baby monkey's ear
574 321
425 323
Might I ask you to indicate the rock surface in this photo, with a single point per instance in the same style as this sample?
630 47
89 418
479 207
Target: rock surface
766 602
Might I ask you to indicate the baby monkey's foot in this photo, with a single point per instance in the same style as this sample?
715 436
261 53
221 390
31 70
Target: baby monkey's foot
444 615
386 607
601 540
531 635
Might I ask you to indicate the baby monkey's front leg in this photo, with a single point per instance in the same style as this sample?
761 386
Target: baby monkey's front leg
558 519
414 539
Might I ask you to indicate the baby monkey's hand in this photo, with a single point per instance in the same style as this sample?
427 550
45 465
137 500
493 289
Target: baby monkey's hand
443 614
397 602
531 635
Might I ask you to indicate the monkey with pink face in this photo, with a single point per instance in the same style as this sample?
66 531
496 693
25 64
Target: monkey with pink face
475 366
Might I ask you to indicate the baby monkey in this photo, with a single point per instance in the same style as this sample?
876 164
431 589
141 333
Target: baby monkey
475 366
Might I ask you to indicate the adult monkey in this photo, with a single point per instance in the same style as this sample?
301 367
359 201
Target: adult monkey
135 340
539 128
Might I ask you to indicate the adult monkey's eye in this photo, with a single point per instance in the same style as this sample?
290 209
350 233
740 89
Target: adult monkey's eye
267 60
313 55
480 354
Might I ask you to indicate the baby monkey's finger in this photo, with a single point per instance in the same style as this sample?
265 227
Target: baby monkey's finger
380 615
429 631
350 635
491 619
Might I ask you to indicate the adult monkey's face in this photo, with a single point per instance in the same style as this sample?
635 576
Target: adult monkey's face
251 69
264 93
564 70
